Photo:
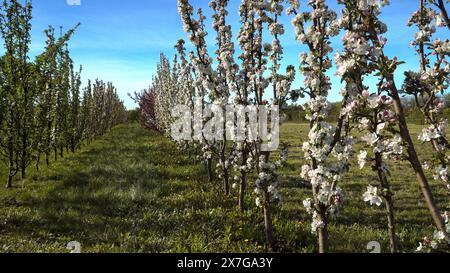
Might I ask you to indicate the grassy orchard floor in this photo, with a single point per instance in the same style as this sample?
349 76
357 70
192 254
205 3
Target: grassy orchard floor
133 191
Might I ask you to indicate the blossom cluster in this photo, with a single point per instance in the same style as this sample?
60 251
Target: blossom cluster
438 240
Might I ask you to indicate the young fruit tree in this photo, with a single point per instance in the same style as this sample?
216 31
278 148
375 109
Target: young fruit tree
428 86
46 74
314 29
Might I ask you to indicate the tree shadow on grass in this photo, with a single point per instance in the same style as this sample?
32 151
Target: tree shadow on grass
107 191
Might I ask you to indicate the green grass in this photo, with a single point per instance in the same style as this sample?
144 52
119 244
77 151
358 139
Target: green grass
359 223
133 191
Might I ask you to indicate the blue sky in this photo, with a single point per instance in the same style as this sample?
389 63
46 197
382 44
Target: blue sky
120 41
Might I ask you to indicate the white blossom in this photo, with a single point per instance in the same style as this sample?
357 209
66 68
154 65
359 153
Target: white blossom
442 174
372 197
362 156
371 138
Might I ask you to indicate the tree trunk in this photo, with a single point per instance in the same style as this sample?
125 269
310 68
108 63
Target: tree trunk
324 243
209 169
24 155
11 163
61 151
324 240
226 183
47 158
242 189
9 183
38 161
393 241
321 232
23 169
195 155
268 221
243 185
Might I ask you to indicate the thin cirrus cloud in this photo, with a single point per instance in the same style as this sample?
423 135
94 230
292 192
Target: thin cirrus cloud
120 41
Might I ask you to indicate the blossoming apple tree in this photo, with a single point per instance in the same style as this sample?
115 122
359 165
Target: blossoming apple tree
326 141
427 86
364 18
